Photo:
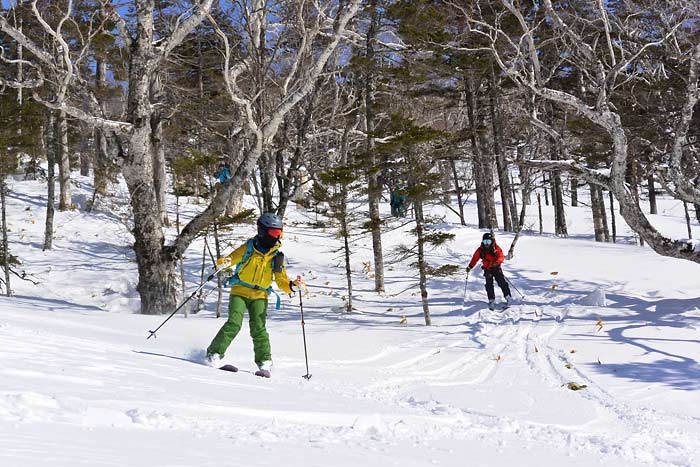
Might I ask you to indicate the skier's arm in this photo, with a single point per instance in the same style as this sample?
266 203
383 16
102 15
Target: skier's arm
234 257
499 255
475 258
283 282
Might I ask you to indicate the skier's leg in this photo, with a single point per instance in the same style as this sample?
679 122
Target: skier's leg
502 283
236 308
257 310
490 292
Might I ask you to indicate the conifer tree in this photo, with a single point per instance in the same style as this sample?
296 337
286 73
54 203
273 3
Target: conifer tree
415 151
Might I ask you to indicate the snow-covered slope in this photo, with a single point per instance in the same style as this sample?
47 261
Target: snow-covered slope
81 385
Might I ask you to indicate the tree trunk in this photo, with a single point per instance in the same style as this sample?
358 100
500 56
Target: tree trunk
539 211
266 169
477 174
50 178
86 134
600 222
64 199
634 183
160 180
558 202
423 279
653 209
458 190
374 186
525 175
613 223
343 216
445 182
507 205
687 220
157 284
483 164
101 168
181 261
5 242
697 212
574 192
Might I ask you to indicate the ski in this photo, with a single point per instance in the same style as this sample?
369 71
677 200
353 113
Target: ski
234 369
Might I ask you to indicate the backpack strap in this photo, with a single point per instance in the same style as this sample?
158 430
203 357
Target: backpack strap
236 280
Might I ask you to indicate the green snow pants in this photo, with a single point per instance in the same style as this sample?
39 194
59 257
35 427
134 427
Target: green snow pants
257 311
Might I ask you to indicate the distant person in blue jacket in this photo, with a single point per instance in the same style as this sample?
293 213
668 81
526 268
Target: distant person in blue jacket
223 173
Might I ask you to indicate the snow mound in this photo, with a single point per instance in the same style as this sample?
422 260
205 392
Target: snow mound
594 298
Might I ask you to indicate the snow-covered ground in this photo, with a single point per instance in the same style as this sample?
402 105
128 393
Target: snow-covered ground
81 385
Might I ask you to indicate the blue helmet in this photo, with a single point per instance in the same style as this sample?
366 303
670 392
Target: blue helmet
270 221
269 228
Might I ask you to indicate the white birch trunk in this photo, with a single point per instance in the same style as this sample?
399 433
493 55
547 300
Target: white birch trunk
64 199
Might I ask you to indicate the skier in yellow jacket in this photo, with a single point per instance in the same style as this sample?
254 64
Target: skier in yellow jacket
257 262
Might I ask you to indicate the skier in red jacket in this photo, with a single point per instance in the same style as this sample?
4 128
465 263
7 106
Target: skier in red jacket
491 257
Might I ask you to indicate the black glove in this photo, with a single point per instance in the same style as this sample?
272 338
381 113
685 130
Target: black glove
469 268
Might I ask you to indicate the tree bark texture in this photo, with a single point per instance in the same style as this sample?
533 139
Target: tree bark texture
600 222
5 242
160 180
507 204
374 192
613 223
157 283
483 164
86 134
267 169
574 192
558 202
101 167
458 191
422 275
50 178
653 209
539 211
64 199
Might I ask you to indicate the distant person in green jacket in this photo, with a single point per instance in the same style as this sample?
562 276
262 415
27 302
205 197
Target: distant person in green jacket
397 201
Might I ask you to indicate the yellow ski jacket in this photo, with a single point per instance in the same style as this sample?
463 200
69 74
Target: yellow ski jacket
257 271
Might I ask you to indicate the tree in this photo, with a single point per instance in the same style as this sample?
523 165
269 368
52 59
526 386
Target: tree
415 151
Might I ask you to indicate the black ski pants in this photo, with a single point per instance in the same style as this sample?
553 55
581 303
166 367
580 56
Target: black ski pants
490 275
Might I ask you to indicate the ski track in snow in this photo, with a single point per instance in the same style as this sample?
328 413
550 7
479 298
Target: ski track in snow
643 441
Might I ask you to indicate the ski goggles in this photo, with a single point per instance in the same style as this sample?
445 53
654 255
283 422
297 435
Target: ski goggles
274 233
487 241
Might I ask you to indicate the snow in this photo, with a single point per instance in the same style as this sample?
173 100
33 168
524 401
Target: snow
81 385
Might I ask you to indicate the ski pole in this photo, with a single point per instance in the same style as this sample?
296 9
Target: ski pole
303 330
211 276
464 295
511 284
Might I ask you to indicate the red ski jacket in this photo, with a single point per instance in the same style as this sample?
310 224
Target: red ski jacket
490 258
